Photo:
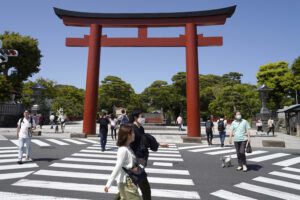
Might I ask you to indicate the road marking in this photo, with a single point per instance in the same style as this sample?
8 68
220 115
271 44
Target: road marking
114 152
230 195
289 162
40 143
90 141
8 148
17 166
14 196
16 142
8 160
285 175
100 188
221 152
14 175
74 141
115 156
165 164
9 151
90 160
192 147
57 142
277 182
208 149
268 191
110 168
97 176
291 169
165 151
8 155
248 154
268 157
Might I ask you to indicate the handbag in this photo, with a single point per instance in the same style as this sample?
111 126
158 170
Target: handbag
136 173
248 148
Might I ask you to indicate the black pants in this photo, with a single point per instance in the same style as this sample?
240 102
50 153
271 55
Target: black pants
113 130
145 188
103 139
271 129
209 136
240 152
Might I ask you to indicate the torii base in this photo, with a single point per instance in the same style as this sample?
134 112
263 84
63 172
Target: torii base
187 139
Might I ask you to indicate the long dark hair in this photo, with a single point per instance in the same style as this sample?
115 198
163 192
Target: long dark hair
124 131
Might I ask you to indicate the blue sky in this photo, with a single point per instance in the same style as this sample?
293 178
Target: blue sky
260 31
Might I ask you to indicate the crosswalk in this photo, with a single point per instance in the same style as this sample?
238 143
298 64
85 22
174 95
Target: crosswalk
8 167
280 184
60 142
87 171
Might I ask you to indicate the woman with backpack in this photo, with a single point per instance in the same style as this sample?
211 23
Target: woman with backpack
125 158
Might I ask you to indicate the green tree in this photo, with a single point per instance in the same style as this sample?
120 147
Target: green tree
70 99
239 97
296 73
279 77
19 69
113 91
5 89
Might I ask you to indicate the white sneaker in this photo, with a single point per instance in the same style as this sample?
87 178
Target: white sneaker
245 168
28 159
239 168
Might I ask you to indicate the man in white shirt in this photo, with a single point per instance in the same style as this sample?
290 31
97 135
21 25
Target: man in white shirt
24 131
271 126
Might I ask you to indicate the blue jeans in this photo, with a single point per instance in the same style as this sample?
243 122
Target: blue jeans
103 138
22 142
222 137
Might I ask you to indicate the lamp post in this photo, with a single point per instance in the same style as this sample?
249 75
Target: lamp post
37 91
264 94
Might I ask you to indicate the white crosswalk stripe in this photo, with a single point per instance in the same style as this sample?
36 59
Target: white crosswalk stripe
192 147
9 151
90 141
289 162
14 175
17 166
40 143
221 152
291 169
74 141
208 149
249 154
230 195
6 148
15 196
98 165
277 182
57 142
268 191
286 175
268 157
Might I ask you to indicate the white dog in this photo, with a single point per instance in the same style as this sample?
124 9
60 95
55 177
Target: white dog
226 161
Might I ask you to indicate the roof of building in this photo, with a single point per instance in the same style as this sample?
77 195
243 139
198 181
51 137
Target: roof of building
228 12
292 108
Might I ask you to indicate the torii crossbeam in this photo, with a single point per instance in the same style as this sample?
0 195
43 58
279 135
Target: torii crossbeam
142 21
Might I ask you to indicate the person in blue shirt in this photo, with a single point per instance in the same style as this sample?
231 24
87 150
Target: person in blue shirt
240 131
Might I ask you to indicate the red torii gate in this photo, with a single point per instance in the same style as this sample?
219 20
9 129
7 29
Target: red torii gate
191 40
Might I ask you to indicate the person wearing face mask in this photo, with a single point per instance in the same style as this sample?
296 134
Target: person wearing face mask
141 151
240 131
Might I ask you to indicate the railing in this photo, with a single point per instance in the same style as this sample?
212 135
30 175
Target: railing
11 109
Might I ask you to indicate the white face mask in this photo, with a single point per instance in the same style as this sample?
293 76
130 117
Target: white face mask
238 117
141 121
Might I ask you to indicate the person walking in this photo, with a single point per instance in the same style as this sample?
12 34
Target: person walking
179 121
123 118
113 126
103 121
240 131
271 126
209 130
52 118
24 130
222 123
259 126
125 158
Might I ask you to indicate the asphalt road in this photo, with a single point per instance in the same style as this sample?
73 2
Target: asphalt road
63 169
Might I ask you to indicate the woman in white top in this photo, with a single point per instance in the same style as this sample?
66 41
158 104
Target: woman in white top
113 126
126 159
